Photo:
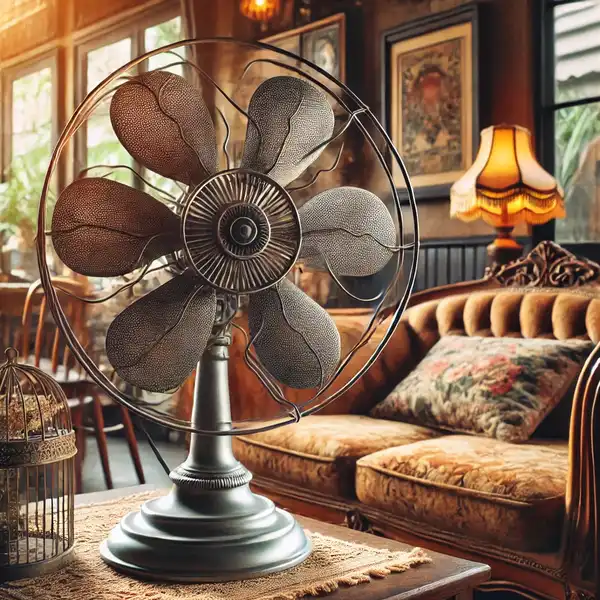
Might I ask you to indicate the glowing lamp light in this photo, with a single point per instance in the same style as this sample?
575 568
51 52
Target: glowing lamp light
260 10
506 186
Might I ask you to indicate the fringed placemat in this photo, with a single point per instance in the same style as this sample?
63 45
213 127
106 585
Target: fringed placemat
332 563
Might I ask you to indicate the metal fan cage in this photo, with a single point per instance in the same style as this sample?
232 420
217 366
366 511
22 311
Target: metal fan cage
354 117
37 487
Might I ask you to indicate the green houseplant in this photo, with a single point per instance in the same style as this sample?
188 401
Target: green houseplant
19 198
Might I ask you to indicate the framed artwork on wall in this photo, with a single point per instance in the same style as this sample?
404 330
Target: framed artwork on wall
322 42
431 98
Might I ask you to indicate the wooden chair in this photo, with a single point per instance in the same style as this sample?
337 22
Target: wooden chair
49 353
12 299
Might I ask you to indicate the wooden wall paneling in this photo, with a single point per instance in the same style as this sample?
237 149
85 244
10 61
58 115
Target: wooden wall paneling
40 26
131 25
88 14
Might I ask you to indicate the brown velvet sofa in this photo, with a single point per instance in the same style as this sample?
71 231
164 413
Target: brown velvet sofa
528 510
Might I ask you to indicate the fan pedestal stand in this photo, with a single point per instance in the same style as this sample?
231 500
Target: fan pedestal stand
210 527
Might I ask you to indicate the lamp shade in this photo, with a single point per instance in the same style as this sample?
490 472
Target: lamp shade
506 185
259 10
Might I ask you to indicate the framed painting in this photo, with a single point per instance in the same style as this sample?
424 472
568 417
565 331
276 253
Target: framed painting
322 42
431 99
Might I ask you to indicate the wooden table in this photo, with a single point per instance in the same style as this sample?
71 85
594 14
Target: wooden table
444 578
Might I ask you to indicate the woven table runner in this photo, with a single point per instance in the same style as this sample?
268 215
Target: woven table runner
332 563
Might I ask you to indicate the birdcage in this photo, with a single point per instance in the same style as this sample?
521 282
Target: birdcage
37 449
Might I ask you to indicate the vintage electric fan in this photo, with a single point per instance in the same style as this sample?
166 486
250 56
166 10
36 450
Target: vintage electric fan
225 221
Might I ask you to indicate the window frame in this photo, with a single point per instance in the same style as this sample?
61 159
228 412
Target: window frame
547 106
8 76
104 34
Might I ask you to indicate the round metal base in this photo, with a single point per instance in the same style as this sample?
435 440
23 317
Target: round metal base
39 568
223 535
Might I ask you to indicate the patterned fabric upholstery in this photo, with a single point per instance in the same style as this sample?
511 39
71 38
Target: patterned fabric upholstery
320 452
528 312
510 495
498 387
506 494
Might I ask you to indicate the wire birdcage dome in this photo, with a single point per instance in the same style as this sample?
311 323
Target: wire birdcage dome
37 449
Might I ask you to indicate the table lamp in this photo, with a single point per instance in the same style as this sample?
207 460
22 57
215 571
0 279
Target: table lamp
506 186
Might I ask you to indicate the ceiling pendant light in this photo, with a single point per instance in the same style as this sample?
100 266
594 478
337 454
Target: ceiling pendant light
260 10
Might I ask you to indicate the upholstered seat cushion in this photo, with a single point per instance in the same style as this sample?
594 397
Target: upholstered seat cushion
320 451
510 495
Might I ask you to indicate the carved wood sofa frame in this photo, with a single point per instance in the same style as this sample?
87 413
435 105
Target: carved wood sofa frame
574 576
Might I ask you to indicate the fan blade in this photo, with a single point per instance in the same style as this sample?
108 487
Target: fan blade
156 342
284 315
102 228
293 118
164 123
349 229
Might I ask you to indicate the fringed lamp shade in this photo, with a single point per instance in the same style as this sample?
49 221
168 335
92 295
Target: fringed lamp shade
260 10
506 185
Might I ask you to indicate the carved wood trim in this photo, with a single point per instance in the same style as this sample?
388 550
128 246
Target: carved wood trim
547 265
356 521
573 594
582 547
498 585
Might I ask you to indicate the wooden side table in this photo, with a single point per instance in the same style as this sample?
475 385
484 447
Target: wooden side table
446 577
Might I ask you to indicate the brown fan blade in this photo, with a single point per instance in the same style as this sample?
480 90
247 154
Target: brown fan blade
349 229
164 123
103 228
284 316
293 119
155 343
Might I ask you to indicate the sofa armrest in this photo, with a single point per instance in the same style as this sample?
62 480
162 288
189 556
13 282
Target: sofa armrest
250 399
582 560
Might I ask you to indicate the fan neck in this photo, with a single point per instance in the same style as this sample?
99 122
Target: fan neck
211 463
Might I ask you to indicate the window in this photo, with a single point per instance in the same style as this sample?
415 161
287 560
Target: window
102 145
156 37
570 126
28 127
36 99
98 147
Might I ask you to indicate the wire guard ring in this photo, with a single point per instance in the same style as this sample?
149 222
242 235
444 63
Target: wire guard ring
241 231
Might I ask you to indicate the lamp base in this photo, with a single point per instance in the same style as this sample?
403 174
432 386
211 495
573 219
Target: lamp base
224 535
210 527
504 248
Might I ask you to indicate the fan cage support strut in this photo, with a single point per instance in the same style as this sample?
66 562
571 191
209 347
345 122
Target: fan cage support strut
210 527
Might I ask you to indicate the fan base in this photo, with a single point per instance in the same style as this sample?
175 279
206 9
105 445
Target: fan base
180 538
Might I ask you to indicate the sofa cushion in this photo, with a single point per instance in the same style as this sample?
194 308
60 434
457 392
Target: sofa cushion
510 495
320 452
498 387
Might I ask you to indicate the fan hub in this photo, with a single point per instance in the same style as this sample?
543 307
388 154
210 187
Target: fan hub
241 231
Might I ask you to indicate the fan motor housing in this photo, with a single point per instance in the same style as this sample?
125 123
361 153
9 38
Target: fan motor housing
241 231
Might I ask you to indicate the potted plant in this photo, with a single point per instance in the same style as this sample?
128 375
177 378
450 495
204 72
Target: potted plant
19 201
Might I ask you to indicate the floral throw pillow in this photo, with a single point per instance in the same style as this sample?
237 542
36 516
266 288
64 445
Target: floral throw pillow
497 387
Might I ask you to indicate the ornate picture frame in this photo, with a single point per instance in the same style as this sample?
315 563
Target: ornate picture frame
322 42
430 98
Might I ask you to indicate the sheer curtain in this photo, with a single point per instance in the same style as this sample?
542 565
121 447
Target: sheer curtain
188 12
